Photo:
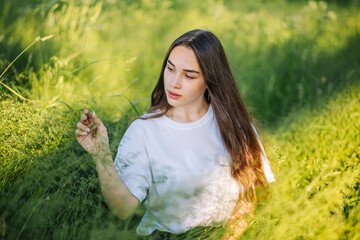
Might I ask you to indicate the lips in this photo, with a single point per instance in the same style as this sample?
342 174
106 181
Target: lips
173 95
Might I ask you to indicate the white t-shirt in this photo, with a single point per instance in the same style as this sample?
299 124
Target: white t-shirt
182 170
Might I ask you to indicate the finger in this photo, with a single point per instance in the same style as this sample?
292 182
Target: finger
83 127
84 120
86 111
92 126
96 119
88 114
80 133
98 122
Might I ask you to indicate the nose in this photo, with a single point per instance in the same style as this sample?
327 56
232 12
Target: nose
176 81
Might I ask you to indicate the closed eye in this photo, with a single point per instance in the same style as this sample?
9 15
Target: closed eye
169 68
189 77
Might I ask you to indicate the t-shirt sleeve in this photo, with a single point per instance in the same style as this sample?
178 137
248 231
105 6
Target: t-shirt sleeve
131 161
265 161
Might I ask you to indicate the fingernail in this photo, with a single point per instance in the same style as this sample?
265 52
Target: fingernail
88 130
94 113
84 133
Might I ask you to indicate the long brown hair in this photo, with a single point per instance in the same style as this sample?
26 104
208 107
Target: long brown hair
233 119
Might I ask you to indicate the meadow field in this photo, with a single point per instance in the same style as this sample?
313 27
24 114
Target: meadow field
297 64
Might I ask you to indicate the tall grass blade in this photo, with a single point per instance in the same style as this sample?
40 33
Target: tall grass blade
13 91
90 63
132 105
35 41
63 102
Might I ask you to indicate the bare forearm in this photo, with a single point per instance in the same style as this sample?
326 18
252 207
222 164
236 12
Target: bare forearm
92 136
116 193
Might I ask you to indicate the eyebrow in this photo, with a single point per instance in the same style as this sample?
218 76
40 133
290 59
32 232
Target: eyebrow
186 70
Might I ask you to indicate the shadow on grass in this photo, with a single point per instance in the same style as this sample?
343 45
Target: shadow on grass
287 80
58 195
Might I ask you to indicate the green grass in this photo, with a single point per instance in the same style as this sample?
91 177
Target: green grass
317 156
297 64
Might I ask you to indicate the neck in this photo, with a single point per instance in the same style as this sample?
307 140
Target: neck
188 114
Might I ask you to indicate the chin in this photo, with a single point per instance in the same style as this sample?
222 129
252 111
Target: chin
171 103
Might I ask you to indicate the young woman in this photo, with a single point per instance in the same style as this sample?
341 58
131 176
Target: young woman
192 155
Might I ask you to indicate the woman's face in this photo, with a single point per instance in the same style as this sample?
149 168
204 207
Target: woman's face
183 81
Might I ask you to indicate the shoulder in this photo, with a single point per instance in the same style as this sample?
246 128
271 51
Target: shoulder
133 137
146 121
151 115
139 131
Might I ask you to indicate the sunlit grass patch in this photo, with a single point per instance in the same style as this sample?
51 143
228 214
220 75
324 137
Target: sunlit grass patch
283 54
26 134
317 155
